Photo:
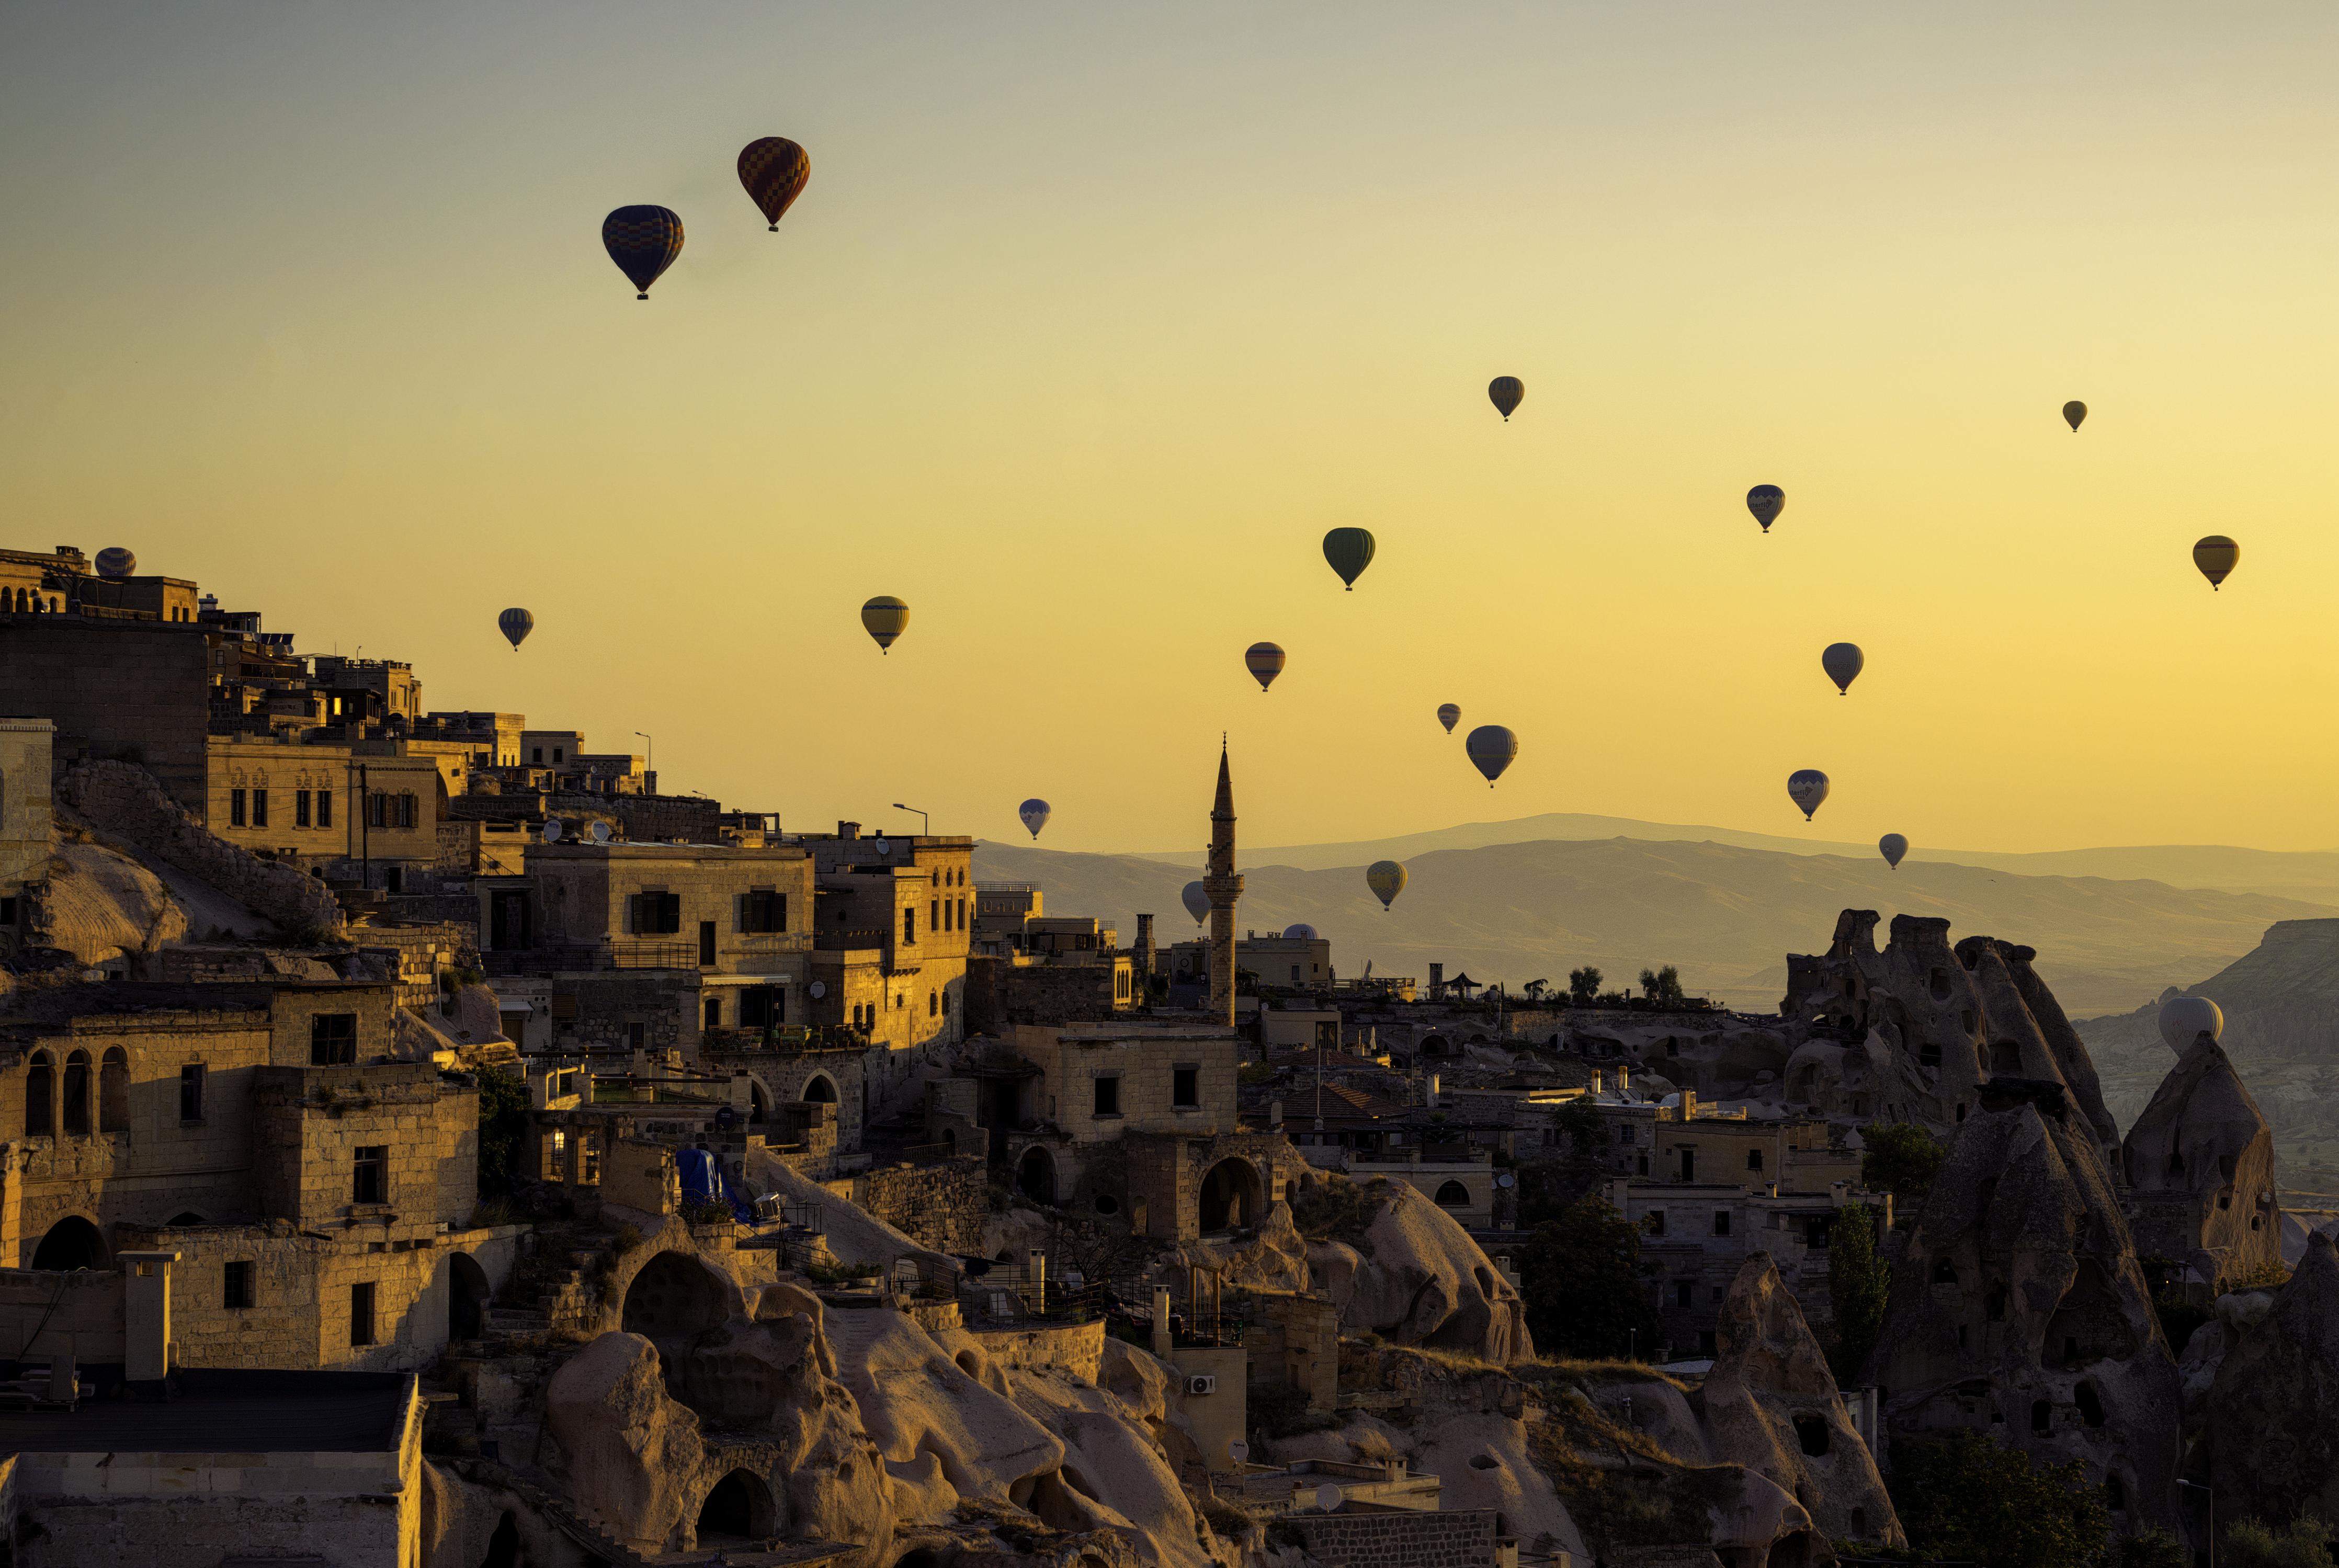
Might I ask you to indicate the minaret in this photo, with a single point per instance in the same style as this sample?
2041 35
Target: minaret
1224 887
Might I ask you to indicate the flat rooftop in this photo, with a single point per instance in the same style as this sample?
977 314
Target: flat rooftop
226 1412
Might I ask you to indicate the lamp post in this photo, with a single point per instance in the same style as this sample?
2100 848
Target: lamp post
925 822
2206 1556
650 762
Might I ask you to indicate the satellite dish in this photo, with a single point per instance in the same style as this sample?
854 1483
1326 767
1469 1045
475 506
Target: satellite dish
1238 1451
884 848
1329 1498
552 830
818 988
601 831
1505 1178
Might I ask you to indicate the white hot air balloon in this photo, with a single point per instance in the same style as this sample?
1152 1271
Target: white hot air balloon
2184 1020
1196 900
1034 812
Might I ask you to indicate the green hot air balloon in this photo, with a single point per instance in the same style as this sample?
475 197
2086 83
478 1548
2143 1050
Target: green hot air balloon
2074 411
1491 748
1766 502
1893 846
1264 662
1508 393
884 618
1843 663
2216 556
1349 551
1386 879
1449 715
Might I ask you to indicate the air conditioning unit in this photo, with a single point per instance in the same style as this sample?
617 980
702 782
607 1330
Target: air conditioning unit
1202 1383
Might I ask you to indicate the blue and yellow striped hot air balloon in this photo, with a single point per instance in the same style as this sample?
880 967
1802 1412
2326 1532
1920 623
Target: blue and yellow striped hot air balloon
643 241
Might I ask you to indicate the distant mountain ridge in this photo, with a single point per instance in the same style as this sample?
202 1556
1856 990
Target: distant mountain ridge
2309 875
1726 915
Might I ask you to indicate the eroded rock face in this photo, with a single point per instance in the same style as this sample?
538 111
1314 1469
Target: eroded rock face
1772 1405
97 904
2200 1163
2273 1409
2018 1309
632 1453
1421 1280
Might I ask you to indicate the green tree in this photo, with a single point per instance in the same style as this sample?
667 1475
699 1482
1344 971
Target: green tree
1902 1159
1966 1499
1580 1275
1584 985
503 1129
2251 1544
1549 1186
1662 985
1858 1282
2153 1549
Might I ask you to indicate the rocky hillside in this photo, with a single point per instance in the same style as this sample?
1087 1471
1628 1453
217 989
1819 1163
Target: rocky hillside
1519 911
2281 1003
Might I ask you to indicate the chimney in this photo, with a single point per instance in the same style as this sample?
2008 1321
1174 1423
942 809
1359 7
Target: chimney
1039 1281
1161 1323
146 1315
1594 1086
1436 980
1145 946
848 830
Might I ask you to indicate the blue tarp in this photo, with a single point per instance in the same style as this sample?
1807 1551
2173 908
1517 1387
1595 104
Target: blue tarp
703 1181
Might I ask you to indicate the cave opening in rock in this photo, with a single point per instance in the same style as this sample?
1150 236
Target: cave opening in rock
71 1243
467 1296
673 1295
1035 1176
2042 1415
738 1507
2090 1403
1811 1432
1232 1195
503 1546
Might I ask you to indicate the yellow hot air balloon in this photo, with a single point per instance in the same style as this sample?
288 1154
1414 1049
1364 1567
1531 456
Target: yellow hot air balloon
885 617
2216 555
1386 879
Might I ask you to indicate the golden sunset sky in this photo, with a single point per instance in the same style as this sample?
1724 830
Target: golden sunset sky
1094 318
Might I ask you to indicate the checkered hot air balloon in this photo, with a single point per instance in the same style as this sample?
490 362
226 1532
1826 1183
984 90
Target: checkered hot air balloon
773 170
643 241
1506 392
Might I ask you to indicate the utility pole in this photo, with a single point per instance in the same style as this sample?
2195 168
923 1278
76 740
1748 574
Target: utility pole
365 830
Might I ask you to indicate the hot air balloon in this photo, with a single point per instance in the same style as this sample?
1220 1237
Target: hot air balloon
516 624
1894 847
1766 502
643 241
1842 661
1508 392
2186 1019
1196 900
885 617
1491 748
1350 551
1264 662
773 170
113 561
1807 787
2074 411
1449 715
1386 879
1301 931
1034 812
2216 555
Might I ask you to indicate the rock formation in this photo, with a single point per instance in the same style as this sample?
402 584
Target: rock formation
1415 1278
2200 1165
1772 1405
2273 1431
2018 1309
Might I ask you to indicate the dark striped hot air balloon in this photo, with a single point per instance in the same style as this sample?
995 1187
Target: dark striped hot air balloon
1449 715
516 624
1349 551
1842 661
773 170
2074 411
1386 879
113 561
884 618
2216 556
1264 662
1508 393
1766 502
1491 748
643 241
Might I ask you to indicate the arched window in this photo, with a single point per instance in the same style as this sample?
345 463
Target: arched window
76 1096
40 1096
1453 1195
113 1092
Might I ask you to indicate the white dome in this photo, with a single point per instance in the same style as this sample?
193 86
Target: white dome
1303 930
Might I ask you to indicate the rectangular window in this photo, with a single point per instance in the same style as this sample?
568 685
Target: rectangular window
367 1183
191 1092
537 754
909 925
657 914
299 808
378 809
1753 1159
1108 1096
1684 1293
714 1012
1722 1222
360 1314
1655 1223
407 813
236 808
1624 1133
935 916
636 1036
764 912
324 808
260 808
1185 1088
236 1292
707 944
333 1040
7 912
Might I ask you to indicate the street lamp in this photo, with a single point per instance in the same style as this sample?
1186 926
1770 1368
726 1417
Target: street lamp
649 763
925 822
2207 1555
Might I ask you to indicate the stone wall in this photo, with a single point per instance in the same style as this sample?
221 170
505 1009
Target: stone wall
1462 1540
1000 993
309 1123
124 799
942 1207
45 1314
115 689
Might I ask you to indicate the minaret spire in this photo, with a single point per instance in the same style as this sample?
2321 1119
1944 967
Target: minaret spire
1224 887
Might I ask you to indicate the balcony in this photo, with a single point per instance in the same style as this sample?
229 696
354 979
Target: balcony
845 938
617 955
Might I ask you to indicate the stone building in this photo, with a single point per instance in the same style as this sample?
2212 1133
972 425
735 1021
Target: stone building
325 805
318 1193
121 689
23 820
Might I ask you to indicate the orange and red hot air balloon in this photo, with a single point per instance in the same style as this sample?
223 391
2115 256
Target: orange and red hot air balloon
773 170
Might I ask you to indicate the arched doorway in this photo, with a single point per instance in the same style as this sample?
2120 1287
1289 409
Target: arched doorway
739 1508
1453 1195
185 1217
820 1089
1435 1045
1232 1195
1035 1177
72 1242
758 1112
466 1297
673 1295
503 1546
